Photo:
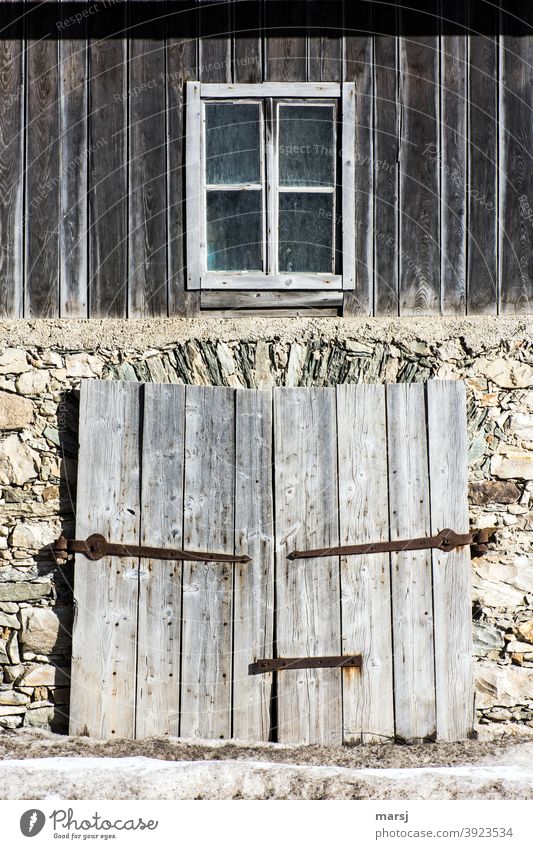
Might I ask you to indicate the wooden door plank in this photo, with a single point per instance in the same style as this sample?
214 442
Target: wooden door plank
516 146
254 582
215 41
482 280
386 153
324 21
108 199
42 171
453 159
247 41
286 42
307 592
182 65
159 637
11 165
73 55
368 709
358 65
448 474
105 591
419 171
412 604
207 587
147 275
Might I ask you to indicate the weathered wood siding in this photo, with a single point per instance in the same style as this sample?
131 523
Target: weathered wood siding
92 139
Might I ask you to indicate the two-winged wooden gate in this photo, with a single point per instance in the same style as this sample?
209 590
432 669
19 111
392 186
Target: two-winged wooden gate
164 647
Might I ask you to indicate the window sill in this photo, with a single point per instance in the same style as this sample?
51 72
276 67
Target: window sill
279 282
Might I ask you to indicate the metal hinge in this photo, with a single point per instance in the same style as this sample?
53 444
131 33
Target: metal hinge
96 546
446 540
277 663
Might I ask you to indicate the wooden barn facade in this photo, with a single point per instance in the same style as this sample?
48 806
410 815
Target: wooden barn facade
425 205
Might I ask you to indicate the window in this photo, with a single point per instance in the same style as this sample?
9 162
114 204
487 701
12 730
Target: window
270 194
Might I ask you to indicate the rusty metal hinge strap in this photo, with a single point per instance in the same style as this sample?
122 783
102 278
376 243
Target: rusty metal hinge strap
263 665
446 540
96 547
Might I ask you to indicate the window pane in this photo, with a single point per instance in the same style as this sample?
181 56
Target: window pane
232 143
234 231
305 232
306 146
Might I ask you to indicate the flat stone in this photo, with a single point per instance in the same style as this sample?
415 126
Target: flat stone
10 710
486 638
13 697
15 412
525 630
509 374
503 686
493 492
9 620
13 648
33 535
501 585
14 361
18 462
515 646
45 675
33 382
512 463
24 590
11 673
11 722
40 717
4 657
83 365
46 629
521 425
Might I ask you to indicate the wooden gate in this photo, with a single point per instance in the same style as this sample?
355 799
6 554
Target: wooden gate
164 647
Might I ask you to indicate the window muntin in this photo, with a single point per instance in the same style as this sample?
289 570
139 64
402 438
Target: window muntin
269 182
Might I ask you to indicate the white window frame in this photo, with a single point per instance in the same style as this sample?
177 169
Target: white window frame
198 277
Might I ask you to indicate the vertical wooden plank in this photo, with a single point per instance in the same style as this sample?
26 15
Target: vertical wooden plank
286 43
108 167
307 591
43 176
102 702
358 68
482 280
386 153
324 21
11 164
207 587
453 92
215 41
448 473
412 605
368 709
181 66
347 178
247 41
254 582
147 275
159 636
419 171
516 146
193 185
73 56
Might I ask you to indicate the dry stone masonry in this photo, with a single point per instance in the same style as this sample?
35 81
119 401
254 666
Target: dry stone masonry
42 363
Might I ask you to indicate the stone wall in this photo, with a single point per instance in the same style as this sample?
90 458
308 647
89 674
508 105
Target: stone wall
42 363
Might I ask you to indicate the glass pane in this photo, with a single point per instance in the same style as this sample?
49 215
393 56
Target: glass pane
234 231
305 232
232 143
306 146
